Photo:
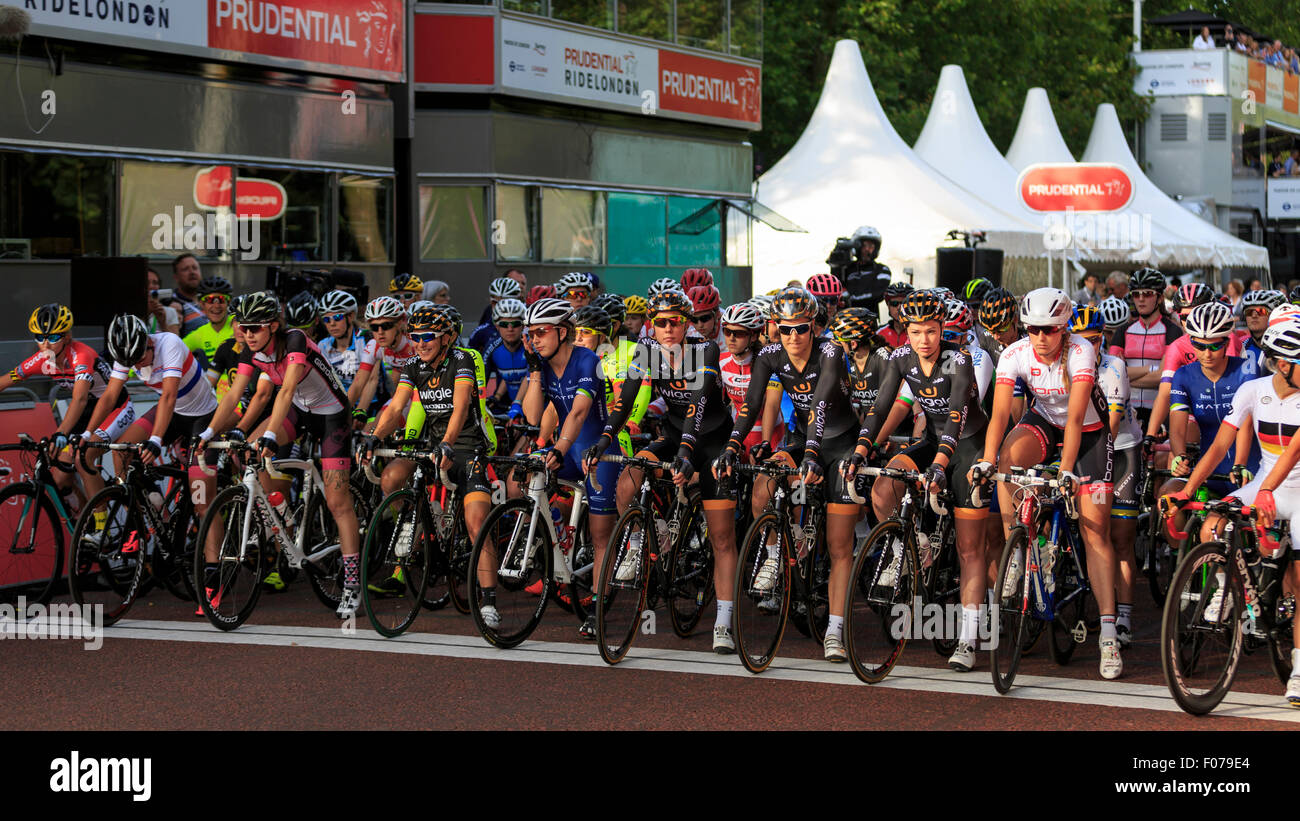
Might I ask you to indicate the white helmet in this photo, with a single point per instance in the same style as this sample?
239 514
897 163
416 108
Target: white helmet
338 302
548 312
420 304
385 307
867 232
1211 320
1114 311
1282 338
505 287
1046 306
508 309
1265 298
663 284
743 314
573 279
1284 311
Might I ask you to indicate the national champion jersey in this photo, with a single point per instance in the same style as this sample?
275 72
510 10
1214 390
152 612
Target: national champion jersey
1051 383
1112 380
319 390
1210 403
1144 346
396 357
78 363
1275 421
194 397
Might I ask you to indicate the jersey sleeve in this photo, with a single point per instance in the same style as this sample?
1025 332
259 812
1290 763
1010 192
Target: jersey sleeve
1243 403
1179 394
31 366
1121 392
707 375
466 368
983 371
369 354
1080 360
890 380
295 348
1009 371
244 363
831 376
963 393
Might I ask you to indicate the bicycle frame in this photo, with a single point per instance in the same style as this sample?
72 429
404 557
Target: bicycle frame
537 483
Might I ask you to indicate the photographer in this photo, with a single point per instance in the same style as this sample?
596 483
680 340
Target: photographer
865 279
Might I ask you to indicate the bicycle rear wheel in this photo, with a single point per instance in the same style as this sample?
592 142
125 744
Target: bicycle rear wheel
520 586
1070 625
236 581
175 570
690 573
1161 561
325 573
458 547
1016 602
761 610
577 596
394 563
107 565
33 561
624 577
942 586
1200 632
879 614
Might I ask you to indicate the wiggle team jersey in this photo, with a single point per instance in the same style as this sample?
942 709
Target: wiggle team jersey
480 417
1275 420
1211 401
434 389
948 395
344 355
1143 345
984 369
1050 384
207 338
690 388
1112 380
194 397
864 382
319 391
78 363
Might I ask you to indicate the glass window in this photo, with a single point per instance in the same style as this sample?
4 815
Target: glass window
453 222
365 219
170 208
692 249
573 226
702 23
738 239
598 13
637 229
747 28
294 209
53 206
526 6
646 18
515 229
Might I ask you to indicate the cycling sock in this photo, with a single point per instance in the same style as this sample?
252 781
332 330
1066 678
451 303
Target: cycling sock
835 627
724 614
489 595
352 571
1295 663
992 598
970 624
1107 628
1124 616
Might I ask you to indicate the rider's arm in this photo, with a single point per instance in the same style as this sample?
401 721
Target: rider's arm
582 404
891 381
77 404
899 413
1177 433
1211 457
107 401
463 397
1159 410
831 378
962 395
364 385
162 419
223 417
392 417
257 405
293 374
627 397
1081 369
707 374
532 397
755 401
999 418
771 412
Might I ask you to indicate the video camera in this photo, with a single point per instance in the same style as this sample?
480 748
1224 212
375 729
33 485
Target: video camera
842 256
286 284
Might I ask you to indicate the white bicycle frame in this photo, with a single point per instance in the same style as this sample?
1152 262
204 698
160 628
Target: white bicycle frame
562 571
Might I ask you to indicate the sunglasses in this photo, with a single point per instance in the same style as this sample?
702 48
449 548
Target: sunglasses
510 323
1210 346
737 332
423 337
1050 330
1143 294
574 293
702 318
215 298
1255 312
335 317
254 329
669 321
50 338
589 331
953 336
794 330
406 296
540 330
383 326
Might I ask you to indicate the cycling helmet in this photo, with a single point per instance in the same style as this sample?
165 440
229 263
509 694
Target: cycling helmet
509 308
694 277
575 279
1210 320
50 319
1086 319
385 307
458 324
998 310
589 316
214 285
976 290
826 287
635 305
794 303
548 312
127 338
744 315
418 304
1114 311
1268 299
540 292
300 311
1294 296
1283 311
944 293
866 232
1147 279
704 298
258 308
235 304
1046 306
612 304
852 325
897 289
1282 339
1191 295
670 302
337 302
763 303
660 285
503 287
923 306
959 316
405 282
429 319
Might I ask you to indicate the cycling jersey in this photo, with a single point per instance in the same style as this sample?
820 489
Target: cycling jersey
1182 353
582 377
1112 379
1275 421
346 361
434 389
948 396
509 366
207 338
989 343
396 358
483 337
319 390
1210 403
78 363
691 390
614 363
192 316
864 383
1051 384
171 358
893 338
1251 351
984 368
1144 346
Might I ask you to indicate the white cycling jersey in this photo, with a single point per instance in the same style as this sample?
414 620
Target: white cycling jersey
1275 421
1051 384
1112 378
194 396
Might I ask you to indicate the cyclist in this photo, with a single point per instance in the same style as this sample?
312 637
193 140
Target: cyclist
311 399
1255 309
684 374
214 298
694 278
504 361
612 304
812 374
592 329
895 332
1114 313
865 356
741 325
829 292
1142 341
575 287
388 348
540 292
343 341
941 375
405 288
499 289
302 312
635 308
705 304
1068 418
998 328
974 291
660 285
568 379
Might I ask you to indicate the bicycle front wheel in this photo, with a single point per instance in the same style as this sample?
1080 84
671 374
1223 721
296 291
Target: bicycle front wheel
228 594
34 559
690 574
879 616
395 564
1017 599
624 577
107 564
1070 625
1200 633
762 593
509 575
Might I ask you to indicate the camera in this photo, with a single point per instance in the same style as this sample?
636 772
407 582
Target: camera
286 284
842 256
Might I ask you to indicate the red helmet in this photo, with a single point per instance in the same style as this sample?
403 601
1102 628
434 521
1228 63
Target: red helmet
703 297
695 277
825 287
540 292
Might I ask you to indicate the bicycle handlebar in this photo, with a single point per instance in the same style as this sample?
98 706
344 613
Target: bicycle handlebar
1229 506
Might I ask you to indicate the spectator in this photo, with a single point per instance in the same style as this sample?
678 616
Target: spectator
185 296
161 317
1090 293
437 291
1294 65
1229 39
1292 164
1234 290
1117 284
1203 41
1274 54
518 276
1254 285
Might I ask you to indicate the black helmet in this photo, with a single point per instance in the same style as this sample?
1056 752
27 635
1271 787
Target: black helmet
667 302
1147 279
257 308
897 289
457 323
431 320
127 339
589 316
975 290
1191 295
613 305
214 285
794 303
999 310
1294 296
300 311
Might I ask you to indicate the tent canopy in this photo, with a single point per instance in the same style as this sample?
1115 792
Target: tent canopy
1038 138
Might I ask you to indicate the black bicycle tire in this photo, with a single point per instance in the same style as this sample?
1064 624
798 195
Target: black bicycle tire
525 507
607 594
684 621
860 586
757 664
1014 635
238 494
1170 656
375 556
46 591
131 585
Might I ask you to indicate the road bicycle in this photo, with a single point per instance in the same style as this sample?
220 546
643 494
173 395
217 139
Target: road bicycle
36 513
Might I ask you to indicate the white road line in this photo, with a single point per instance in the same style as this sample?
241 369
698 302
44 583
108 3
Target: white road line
1035 688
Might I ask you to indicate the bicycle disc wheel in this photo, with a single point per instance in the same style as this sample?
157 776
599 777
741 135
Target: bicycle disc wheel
1200 632
879 617
107 565
394 564
236 582
624 577
325 573
1070 626
1016 602
520 583
690 572
33 560
761 610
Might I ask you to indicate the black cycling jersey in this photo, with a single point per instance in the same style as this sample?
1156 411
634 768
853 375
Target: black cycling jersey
864 384
865 283
697 406
990 344
948 395
435 389
819 393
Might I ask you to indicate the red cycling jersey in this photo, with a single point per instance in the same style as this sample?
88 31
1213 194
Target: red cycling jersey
735 383
78 363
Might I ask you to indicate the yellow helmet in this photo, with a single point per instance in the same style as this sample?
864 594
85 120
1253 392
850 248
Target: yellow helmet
50 319
636 305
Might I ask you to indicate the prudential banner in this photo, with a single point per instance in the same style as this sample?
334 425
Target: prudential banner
564 65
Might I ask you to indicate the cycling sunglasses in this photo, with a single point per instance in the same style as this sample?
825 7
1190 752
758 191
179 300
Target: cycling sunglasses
894 303
423 337
1210 346
794 330
253 328
1144 293
1039 330
50 338
335 317
589 331
382 326
737 332
1257 311
406 296
510 323
574 293
215 298
669 321
702 318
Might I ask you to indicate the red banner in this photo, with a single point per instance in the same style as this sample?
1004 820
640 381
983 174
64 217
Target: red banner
363 34
1077 186
698 85
36 422
265 199
1291 93
456 49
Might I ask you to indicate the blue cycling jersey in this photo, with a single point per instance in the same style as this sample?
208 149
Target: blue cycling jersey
1210 402
582 375
346 360
1254 353
483 337
508 366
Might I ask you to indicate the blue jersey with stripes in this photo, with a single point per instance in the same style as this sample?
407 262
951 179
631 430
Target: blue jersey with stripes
582 375
1210 402
509 366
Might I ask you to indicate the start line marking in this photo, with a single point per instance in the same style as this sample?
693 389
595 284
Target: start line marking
1035 688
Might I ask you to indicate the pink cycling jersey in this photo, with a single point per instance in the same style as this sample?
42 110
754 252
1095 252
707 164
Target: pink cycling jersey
319 391
1182 353
78 363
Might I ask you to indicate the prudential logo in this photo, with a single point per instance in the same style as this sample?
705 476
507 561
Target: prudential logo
124 775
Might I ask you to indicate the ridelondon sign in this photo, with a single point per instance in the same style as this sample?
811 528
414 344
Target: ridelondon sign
1082 187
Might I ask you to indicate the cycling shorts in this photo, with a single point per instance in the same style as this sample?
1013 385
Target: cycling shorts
837 495
1096 458
1287 500
1128 479
333 431
712 497
467 473
181 428
119 419
969 451
601 503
